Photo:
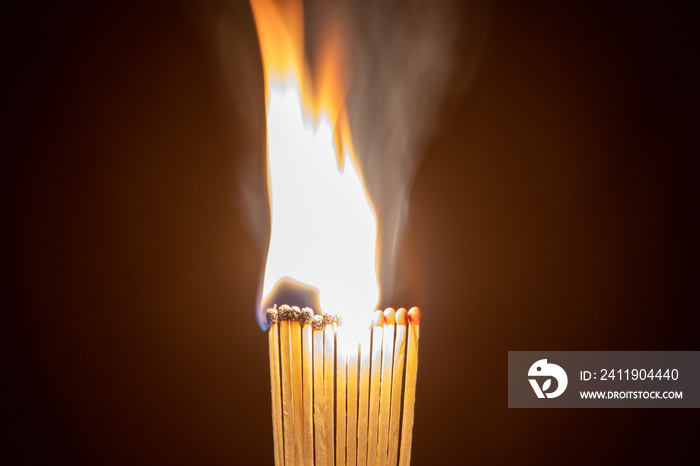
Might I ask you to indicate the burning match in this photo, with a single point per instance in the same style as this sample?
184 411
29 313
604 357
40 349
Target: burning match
342 380
376 438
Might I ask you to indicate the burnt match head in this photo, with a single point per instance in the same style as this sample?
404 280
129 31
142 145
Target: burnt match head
389 316
272 317
330 320
307 316
288 312
317 322
414 316
378 319
401 316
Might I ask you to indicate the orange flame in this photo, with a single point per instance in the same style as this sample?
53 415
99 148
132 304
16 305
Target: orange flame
324 231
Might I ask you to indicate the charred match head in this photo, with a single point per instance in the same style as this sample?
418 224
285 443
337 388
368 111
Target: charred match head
317 323
288 312
307 316
272 317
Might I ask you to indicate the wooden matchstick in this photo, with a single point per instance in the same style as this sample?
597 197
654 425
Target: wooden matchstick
340 406
307 383
295 339
352 407
414 317
375 379
316 388
319 395
385 392
396 385
287 404
363 406
275 384
328 376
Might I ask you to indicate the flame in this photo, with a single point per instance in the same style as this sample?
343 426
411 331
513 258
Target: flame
323 227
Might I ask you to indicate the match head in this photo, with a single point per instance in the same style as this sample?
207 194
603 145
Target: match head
389 316
307 316
329 320
317 322
272 317
414 316
378 319
401 316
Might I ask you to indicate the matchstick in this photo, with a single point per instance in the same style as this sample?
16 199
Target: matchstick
295 338
375 379
396 386
307 382
385 393
414 316
287 405
340 406
328 357
273 339
319 396
316 388
363 406
352 407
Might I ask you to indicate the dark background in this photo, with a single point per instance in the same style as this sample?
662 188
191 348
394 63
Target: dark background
556 208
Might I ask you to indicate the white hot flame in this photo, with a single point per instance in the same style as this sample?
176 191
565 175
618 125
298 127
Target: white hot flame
324 231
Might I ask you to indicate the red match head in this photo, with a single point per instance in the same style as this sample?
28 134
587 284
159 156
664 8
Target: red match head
414 316
401 316
389 316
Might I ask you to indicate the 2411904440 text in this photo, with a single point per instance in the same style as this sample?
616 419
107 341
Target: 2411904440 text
630 374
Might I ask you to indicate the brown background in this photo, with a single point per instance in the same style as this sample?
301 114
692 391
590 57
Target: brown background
556 208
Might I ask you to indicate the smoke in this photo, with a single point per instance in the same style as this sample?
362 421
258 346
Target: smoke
400 57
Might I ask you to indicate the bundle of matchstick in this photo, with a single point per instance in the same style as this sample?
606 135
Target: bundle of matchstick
329 407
